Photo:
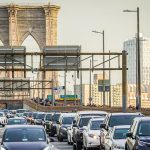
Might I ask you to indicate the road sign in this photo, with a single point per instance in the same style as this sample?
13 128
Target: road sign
59 88
69 97
50 97
106 85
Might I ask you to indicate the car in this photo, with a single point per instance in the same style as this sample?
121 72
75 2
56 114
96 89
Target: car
78 128
19 112
39 118
33 117
138 137
25 137
46 121
64 123
116 138
89 113
115 119
16 120
53 124
91 133
3 119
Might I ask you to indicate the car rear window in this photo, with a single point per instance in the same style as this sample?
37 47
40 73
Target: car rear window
24 135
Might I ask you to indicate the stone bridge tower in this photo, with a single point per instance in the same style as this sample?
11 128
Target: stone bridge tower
17 22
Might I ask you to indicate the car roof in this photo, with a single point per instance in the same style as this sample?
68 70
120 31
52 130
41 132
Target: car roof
142 118
124 114
24 126
16 118
97 119
91 112
121 126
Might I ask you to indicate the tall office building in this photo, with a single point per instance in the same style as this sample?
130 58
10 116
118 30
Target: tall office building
130 47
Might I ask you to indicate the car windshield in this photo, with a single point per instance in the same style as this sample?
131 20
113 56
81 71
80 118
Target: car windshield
48 117
84 121
40 116
144 128
121 120
24 135
120 133
95 125
16 121
34 115
55 117
30 114
67 120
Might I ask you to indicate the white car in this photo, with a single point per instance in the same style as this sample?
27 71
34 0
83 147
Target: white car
91 133
3 119
116 138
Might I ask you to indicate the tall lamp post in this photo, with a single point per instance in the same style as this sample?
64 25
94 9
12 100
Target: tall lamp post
90 95
103 63
138 71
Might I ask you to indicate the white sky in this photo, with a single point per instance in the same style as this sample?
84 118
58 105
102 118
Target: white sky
77 18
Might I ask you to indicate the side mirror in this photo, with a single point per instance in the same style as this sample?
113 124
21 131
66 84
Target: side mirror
103 125
129 134
74 121
75 125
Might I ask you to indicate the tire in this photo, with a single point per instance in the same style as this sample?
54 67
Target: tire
74 147
78 146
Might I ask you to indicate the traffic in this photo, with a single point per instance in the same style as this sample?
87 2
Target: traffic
27 130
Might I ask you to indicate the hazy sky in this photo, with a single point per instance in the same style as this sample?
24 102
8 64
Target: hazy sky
77 19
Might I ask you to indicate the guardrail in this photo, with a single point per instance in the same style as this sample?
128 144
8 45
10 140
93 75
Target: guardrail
38 107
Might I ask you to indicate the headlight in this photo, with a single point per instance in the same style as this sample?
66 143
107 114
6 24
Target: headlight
47 148
118 146
2 148
93 136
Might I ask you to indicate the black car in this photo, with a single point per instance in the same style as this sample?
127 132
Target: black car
78 131
138 137
53 123
39 118
25 137
64 124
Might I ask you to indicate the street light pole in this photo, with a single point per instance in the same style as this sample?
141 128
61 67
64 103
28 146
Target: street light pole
138 67
103 64
90 97
138 60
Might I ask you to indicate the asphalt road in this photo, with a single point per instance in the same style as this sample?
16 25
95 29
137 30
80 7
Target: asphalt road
60 145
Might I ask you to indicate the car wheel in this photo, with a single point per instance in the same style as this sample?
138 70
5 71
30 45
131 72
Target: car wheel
74 147
78 146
